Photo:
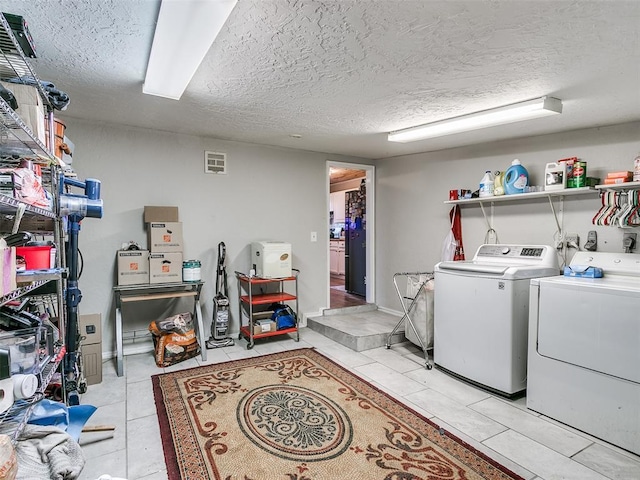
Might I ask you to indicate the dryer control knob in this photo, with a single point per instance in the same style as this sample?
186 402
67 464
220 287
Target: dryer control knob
505 250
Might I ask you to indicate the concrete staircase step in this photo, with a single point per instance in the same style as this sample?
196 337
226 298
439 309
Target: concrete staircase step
359 328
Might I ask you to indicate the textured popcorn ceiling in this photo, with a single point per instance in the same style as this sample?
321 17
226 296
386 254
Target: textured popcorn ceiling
344 73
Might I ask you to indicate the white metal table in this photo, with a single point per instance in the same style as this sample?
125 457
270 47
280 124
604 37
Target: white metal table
138 293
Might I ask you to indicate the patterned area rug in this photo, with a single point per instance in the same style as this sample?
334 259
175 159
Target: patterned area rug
297 415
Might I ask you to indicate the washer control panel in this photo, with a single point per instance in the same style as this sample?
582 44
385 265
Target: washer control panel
513 251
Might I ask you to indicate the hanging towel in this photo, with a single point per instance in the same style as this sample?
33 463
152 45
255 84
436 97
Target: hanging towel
456 227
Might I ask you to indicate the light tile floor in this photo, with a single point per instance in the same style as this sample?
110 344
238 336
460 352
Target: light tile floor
535 447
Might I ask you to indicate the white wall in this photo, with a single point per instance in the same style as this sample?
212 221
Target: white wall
268 194
412 219
280 194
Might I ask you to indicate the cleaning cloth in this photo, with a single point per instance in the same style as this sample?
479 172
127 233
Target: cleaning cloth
48 452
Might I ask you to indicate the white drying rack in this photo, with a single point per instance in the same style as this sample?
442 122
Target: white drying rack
408 303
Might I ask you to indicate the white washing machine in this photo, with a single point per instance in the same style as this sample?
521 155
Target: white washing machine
584 348
481 311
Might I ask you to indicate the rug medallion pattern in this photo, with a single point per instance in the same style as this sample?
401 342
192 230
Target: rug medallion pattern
297 415
294 423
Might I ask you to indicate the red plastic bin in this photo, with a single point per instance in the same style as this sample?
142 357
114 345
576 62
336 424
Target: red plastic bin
33 258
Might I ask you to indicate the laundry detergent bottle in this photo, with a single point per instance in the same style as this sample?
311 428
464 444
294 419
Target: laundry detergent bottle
516 178
498 184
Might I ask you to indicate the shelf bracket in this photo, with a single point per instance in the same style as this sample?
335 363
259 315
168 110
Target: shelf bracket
555 215
491 233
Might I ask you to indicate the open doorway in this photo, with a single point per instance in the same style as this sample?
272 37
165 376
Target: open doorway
350 204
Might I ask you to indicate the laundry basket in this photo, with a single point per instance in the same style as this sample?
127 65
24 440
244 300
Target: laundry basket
417 305
421 288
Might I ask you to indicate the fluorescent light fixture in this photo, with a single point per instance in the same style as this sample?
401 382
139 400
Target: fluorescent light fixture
540 107
184 33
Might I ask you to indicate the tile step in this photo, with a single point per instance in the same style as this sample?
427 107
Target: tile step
359 328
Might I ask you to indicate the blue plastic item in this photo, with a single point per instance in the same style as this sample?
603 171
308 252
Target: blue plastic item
516 178
583 271
56 414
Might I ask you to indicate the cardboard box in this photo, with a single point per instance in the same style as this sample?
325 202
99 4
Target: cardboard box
165 267
33 117
165 237
39 224
92 362
160 214
133 267
7 270
90 327
25 94
264 327
6 184
30 108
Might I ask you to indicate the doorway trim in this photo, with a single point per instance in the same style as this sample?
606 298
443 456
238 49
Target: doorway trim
370 172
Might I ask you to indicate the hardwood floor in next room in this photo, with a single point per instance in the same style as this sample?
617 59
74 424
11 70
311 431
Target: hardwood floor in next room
339 298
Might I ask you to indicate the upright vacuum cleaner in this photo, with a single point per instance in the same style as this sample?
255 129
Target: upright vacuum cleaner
220 321
75 208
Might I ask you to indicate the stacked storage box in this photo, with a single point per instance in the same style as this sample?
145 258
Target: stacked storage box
30 108
165 244
133 267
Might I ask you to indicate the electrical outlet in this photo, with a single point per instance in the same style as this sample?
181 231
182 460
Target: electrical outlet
572 238
629 242
592 241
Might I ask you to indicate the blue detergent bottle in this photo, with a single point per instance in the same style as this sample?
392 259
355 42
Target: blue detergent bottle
516 178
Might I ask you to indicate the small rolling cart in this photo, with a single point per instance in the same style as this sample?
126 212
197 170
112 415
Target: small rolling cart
256 296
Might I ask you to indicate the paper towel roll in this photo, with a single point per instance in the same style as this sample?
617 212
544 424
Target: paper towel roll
24 385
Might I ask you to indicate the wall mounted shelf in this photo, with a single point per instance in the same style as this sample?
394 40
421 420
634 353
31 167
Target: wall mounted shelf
526 196
620 187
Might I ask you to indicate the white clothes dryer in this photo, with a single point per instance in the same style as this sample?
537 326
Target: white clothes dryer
584 348
481 310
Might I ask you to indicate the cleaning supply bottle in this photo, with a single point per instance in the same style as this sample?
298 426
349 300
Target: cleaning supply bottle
516 178
636 169
486 185
498 183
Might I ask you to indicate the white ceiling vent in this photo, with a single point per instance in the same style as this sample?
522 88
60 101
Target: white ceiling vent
215 162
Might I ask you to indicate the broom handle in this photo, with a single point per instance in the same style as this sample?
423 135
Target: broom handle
98 428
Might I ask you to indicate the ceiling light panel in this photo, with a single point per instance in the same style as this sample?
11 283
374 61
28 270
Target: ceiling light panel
184 33
516 112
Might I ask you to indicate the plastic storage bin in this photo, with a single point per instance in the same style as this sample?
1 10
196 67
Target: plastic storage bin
23 349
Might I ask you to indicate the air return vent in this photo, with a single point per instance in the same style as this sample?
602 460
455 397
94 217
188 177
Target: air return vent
215 162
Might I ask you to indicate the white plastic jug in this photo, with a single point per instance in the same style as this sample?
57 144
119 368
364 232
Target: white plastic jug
555 176
486 185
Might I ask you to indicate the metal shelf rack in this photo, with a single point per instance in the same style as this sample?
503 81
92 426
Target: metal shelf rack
18 142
